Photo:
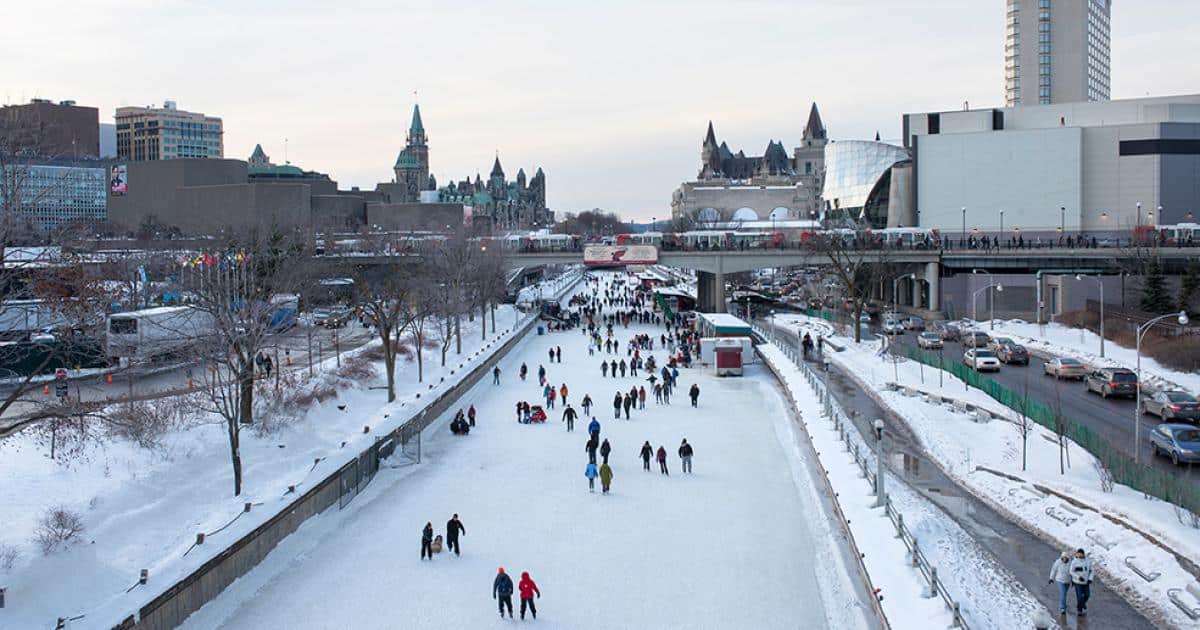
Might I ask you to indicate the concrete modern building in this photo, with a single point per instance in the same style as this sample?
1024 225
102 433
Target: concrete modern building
1056 51
60 130
1102 168
868 181
734 187
50 196
167 133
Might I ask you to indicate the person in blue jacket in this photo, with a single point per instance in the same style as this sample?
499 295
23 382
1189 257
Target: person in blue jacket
502 590
594 428
590 473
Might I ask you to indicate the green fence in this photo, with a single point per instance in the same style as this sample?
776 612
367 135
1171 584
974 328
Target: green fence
1162 484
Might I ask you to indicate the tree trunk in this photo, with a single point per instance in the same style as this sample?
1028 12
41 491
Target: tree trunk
235 454
457 334
420 361
483 321
246 412
389 365
493 318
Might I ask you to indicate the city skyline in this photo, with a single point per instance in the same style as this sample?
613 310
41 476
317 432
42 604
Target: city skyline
614 111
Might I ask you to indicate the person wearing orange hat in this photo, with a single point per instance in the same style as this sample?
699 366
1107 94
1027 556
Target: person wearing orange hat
502 590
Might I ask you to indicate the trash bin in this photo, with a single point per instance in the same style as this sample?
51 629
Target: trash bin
541 330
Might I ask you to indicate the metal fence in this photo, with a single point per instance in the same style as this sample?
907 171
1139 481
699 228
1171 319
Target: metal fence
1153 481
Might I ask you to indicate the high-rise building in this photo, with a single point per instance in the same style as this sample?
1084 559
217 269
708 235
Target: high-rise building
60 130
1056 51
167 133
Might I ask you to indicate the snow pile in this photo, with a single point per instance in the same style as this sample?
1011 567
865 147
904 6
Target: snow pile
987 595
961 446
142 509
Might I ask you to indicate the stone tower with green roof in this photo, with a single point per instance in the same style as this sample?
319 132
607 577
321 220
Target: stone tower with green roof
412 165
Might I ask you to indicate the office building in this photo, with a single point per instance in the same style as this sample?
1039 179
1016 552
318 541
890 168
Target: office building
149 133
1056 51
1103 168
50 196
51 130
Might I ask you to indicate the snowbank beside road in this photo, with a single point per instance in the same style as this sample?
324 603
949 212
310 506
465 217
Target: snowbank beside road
960 445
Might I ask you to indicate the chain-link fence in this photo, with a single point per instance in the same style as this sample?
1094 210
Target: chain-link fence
1153 481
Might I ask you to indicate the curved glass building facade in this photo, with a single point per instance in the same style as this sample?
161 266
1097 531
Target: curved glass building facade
853 168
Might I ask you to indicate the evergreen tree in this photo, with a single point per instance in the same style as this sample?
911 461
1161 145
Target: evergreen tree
1155 298
1189 287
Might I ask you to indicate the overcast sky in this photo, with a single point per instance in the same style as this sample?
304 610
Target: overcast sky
610 98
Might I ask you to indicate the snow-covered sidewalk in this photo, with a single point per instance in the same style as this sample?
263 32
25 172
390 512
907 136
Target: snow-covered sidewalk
962 446
734 545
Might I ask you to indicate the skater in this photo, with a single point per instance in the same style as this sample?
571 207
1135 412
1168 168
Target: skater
612 368
590 473
1060 575
587 404
594 428
562 391
427 541
569 416
605 449
685 453
622 366
496 375
550 396
1081 577
617 405
604 369
502 589
806 345
471 415
520 410
592 443
453 528
641 398
606 474
661 455
552 355
528 588
694 393
557 357
627 403
541 374
646 452
524 371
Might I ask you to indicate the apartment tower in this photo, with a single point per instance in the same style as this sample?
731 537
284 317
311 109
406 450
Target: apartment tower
1056 51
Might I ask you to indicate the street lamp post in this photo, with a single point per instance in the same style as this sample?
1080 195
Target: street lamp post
964 224
991 299
1137 408
1100 280
1062 219
896 292
1001 224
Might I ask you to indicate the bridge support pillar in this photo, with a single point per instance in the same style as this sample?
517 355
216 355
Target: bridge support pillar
933 275
710 291
916 292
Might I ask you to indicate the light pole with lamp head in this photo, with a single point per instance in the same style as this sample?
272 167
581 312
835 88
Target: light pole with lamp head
1137 408
1001 224
1100 280
964 224
1062 219
991 299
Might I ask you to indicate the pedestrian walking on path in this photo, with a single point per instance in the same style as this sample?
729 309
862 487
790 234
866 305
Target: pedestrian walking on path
427 541
605 449
606 475
646 453
502 590
694 393
454 527
590 473
594 428
592 443
662 460
587 404
1060 576
569 416
1081 577
685 453
527 589
496 375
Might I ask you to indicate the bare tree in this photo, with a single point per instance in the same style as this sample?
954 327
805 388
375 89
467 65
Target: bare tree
454 261
385 293
856 265
1025 428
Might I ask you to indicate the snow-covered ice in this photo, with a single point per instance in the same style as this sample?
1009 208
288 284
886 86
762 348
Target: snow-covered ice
731 546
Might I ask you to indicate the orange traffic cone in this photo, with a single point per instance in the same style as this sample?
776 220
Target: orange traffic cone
46 390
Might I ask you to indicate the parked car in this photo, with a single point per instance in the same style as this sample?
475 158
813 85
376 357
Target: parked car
893 327
1112 382
975 339
1180 442
890 314
1013 353
913 323
949 332
981 360
1170 405
995 342
929 340
864 318
336 317
1065 367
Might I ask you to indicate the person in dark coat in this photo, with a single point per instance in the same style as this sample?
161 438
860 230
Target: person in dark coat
605 449
502 590
622 366
587 405
557 357
569 416
694 393
427 541
496 375
617 405
524 371
592 443
646 453
612 368
662 460
626 402
604 368
453 528
685 453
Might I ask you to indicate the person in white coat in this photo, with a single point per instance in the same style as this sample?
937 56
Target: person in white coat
1081 577
1060 575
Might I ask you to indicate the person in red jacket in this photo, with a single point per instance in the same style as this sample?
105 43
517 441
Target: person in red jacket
661 456
528 588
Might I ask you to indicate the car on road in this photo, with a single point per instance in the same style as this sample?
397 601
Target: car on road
949 332
1170 405
1180 442
335 317
1065 367
975 339
995 342
929 340
913 323
893 327
1013 353
981 360
1112 382
864 318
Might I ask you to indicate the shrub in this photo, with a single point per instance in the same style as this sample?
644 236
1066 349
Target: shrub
9 555
58 528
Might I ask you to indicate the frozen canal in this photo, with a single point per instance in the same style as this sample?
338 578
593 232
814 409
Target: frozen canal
741 543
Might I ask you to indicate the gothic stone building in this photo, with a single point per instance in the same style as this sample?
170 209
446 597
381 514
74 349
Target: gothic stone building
501 204
734 187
